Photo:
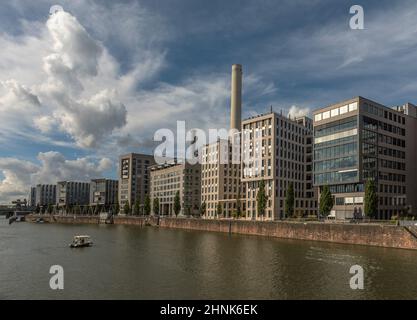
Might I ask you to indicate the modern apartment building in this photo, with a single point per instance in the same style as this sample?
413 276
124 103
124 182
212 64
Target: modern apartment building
359 139
70 193
45 194
220 178
278 150
170 178
134 178
103 192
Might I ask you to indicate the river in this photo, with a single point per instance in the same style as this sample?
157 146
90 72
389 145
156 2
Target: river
128 262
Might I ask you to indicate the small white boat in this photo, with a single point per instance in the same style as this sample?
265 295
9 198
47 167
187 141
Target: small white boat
81 241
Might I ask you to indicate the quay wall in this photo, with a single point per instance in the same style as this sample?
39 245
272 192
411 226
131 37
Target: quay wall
380 235
371 234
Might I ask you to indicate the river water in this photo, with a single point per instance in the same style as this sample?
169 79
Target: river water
128 262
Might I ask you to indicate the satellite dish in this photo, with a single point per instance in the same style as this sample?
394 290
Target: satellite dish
54 9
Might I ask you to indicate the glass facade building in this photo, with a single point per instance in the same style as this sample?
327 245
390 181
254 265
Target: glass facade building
358 140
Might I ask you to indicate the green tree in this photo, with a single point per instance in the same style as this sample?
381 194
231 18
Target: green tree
289 201
261 199
188 210
77 209
219 209
147 205
38 208
126 208
50 209
203 208
156 206
116 207
371 199
136 208
238 205
326 201
177 203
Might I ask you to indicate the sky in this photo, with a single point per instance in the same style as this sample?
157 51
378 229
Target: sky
96 80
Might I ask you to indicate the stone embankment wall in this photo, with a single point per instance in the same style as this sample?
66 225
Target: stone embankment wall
364 234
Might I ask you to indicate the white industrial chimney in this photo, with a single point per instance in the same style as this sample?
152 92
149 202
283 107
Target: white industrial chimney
236 98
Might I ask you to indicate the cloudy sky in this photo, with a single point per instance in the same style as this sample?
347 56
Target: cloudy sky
79 87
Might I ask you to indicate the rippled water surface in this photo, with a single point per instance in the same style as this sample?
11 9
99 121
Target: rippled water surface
150 263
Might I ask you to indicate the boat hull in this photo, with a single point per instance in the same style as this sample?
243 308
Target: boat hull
72 245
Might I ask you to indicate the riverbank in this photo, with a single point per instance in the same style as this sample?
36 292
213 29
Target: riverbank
379 235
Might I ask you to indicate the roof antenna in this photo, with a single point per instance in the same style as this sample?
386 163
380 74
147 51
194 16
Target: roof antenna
271 108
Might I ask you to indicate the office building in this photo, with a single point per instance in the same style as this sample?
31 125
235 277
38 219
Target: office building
32 197
71 193
359 139
103 192
45 194
277 150
170 178
220 169
220 179
134 178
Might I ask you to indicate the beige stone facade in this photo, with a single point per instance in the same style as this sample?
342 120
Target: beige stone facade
220 179
278 150
168 179
134 178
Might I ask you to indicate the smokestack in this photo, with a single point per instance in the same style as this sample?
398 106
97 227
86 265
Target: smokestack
236 98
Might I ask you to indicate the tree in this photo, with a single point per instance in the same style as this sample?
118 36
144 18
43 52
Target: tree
261 199
326 201
371 199
77 209
203 208
238 205
156 206
147 205
126 208
116 207
188 210
177 204
38 208
50 209
136 208
289 201
219 209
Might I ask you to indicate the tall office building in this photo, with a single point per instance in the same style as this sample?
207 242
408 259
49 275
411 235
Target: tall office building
170 178
134 178
103 192
45 194
70 193
277 150
359 139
